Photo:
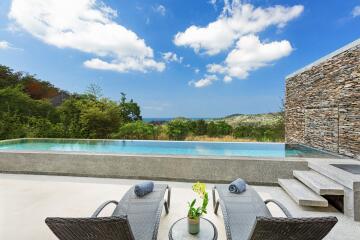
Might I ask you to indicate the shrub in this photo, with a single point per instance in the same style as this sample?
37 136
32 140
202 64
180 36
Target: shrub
11 126
136 130
178 129
274 132
217 129
200 127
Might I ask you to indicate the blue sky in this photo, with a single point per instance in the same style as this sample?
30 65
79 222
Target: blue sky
175 58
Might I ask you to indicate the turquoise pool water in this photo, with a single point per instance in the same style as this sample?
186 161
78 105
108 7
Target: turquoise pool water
165 148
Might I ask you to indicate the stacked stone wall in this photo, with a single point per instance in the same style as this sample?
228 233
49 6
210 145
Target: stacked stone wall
323 104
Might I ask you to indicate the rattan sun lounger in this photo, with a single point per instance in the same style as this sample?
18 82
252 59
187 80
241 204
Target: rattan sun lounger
134 218
246 217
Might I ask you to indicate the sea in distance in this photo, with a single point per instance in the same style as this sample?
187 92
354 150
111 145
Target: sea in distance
167 119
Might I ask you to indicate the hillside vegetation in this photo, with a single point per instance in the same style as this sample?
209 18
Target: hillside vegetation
252 119
30 107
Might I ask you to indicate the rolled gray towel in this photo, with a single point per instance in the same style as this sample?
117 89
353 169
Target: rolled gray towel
143 188
237 186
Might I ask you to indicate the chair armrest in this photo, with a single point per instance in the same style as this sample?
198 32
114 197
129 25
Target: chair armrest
215 202
167 201
281 206
102 206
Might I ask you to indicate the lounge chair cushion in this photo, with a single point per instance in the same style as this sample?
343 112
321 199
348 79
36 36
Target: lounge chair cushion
240 211
143 212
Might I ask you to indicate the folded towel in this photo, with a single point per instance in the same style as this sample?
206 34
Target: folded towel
143 188
237 186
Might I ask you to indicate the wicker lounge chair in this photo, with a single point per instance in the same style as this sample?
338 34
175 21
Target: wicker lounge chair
134 218
246 217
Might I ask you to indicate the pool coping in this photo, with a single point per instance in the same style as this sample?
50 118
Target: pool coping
162 155
135 140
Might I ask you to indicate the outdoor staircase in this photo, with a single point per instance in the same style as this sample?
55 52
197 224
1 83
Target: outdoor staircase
310 188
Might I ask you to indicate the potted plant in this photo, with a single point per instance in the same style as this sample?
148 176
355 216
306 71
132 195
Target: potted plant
194 213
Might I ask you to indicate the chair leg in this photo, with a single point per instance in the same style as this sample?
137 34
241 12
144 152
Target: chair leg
167 201
216 207
166 207
215 203
168 196
213 196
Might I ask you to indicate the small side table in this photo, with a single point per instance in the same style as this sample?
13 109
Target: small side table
179 230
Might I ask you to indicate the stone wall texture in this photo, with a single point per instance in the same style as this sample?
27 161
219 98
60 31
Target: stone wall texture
323 104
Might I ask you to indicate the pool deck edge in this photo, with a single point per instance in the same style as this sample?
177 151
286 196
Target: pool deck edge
184 168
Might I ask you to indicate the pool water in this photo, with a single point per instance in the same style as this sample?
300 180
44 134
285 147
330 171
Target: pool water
164 148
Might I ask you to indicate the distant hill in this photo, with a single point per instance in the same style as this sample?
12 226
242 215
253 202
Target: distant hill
30 84
233 119
259 119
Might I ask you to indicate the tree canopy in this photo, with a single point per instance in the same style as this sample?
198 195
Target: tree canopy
30 107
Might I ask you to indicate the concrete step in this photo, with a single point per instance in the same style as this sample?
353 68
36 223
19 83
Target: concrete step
301 194
319 183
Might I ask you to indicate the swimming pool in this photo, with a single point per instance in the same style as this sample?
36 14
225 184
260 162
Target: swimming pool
191 148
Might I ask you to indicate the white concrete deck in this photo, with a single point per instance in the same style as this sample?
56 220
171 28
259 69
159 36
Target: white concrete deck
26 200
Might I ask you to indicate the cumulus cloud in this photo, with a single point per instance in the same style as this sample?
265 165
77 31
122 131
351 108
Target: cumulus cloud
236 32
172 57
204 82
248 55
356 11
125 65
160 9
236 20
5 45
87 26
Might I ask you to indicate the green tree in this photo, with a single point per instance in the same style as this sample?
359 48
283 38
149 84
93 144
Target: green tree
14 100
222 128
98 119
129 110
211 129
200 127
177 129
8 78
136 130
70 111
11 126
43 128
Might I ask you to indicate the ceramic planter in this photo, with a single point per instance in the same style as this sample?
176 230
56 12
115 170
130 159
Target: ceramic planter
194 225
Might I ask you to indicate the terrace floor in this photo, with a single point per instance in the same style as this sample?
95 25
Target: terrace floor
26 200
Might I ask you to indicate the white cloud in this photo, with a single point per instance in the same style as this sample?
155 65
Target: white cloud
213 2
227 79
160 9
356 11
172 57
142 65
196 70
204 82
248 55
87 26
5 45
235 31
236 20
